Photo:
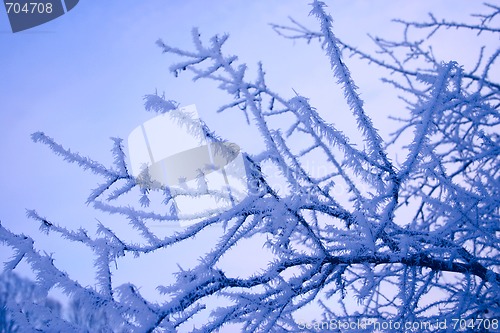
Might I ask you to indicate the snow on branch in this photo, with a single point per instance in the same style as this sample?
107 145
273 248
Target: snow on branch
343 76
369 239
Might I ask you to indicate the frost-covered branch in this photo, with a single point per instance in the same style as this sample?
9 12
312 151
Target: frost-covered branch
414 241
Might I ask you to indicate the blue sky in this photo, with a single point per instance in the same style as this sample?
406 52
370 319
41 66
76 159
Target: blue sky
81 79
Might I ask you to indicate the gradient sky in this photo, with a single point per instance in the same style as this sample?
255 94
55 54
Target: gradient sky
81 79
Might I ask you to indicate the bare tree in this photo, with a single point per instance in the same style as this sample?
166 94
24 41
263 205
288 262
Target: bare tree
417 243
